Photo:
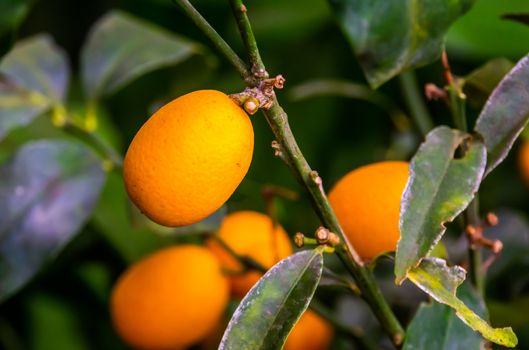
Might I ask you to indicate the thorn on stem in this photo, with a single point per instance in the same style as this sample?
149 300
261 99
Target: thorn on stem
315 177
243 8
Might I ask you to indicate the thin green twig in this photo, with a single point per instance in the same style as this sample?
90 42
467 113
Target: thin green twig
95 141
415 102
246 261
245 29
457 103
219 43
278 121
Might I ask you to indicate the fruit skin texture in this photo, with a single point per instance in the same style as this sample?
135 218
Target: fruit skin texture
310 333
252 234
367 204
170 300
523 162
188 158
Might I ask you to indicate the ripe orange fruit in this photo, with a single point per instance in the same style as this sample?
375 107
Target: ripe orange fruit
310 333
170 300
523 161
189 158
252 234
367 204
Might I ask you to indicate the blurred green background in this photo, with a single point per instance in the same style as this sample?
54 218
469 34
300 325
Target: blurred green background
65 307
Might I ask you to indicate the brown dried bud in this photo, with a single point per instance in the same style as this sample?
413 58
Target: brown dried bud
299 239
492 219
322 235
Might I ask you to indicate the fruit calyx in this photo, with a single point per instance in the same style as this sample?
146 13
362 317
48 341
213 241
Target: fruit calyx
261 96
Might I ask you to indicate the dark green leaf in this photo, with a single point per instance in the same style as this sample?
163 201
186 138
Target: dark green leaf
390 36
517 17
482 34
440 281
349 89
111 218
439 188
505 114
48 191
208 225
513 231
436 326
37 64
272 307
33 77
12 12
120 48
19 107
480 83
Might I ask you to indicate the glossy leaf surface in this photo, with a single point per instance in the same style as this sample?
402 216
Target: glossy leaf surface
120 48
440 281
436 326
391 36
440 186
272 307
505 114
33 77
48 191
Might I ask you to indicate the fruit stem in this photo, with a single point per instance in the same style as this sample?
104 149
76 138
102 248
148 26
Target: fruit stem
471 215
245 29
415 102
246 261
219 43
278 121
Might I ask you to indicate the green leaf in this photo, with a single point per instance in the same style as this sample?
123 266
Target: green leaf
391 36
272 307
120 48
436 326
48 191
440 281
12 12
439 188
482 34
505 114
517 17
38 64
19 107
480 83
33 77
111 218
208 225
349 89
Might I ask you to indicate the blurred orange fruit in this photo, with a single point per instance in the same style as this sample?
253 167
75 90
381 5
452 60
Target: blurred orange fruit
188 158
523 161
170 300
367 204
310 333
254 235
